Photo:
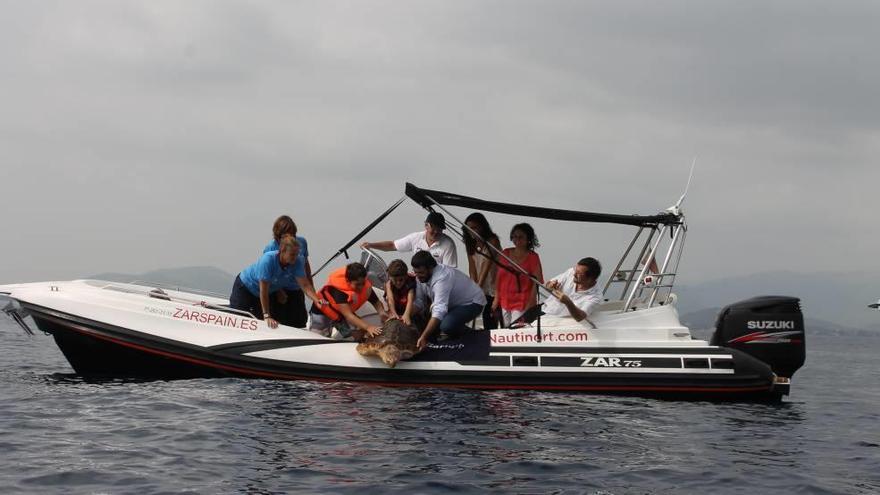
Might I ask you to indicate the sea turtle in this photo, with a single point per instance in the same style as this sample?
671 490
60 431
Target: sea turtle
397 342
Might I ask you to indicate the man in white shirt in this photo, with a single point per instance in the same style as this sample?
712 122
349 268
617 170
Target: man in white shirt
576 290
457 299
432 239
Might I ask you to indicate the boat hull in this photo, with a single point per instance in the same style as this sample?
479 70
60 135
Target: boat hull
98 349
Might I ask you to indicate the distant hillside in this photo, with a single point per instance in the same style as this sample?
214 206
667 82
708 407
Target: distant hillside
702 323
840 298
193 277
701 319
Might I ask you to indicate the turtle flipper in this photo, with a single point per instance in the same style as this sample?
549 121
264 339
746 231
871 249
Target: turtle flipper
390 355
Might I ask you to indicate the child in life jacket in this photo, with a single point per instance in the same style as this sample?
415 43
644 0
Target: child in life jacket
401 293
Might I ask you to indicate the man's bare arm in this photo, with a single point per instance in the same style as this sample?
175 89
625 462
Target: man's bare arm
380 245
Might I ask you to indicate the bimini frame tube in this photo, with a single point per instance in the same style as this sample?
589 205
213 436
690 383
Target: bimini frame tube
344 249
681 244
663 274
640 280
632 272
622 259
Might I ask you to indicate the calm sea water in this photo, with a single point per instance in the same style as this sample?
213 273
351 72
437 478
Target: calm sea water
61 434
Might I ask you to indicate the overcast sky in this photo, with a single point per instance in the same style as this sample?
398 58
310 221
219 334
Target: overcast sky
144 135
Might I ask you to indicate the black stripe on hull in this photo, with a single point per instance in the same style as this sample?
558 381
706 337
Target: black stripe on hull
94 348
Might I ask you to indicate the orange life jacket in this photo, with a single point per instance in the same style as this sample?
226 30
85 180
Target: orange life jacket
354 299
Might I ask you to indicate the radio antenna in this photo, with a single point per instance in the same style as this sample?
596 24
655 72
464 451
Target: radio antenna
677 208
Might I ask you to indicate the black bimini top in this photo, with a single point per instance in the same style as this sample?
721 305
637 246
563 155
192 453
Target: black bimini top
424 197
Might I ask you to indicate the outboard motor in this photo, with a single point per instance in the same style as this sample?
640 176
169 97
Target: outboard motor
770 328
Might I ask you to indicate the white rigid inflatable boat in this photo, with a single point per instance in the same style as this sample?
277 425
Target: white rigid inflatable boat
634 344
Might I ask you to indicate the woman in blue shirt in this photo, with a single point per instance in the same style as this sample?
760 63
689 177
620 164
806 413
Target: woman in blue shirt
289 304
255 285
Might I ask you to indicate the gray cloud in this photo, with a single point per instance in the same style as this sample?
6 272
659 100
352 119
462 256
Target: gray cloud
139 136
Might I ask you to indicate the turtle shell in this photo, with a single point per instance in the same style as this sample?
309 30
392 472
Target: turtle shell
396 342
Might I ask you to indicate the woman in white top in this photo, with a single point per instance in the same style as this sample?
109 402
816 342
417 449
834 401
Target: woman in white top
481 261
